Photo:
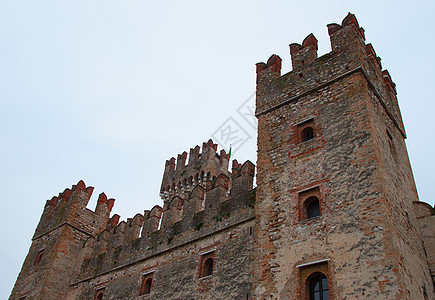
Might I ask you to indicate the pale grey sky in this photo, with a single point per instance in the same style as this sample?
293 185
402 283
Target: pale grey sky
106 91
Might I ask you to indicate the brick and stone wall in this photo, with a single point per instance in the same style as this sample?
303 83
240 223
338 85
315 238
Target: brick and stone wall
426 223
81 253
175 265
57 244
365 240
335 200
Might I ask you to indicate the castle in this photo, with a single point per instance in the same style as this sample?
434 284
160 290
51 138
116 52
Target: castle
335 214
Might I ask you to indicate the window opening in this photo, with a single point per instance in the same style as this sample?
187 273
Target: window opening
305 130
208 267
318 288
99 294
312 207
207 264
146 285
307 134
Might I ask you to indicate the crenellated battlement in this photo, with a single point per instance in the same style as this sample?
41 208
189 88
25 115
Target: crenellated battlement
179 178
350 55
214 198
197 197
349 22
305 53
69 207
86 192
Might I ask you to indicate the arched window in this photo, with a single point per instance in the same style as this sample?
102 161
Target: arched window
312 207
318 287
99 294
147 281
307 134
146 288
208 267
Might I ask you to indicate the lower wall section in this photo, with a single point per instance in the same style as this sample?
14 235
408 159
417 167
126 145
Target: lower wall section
218 266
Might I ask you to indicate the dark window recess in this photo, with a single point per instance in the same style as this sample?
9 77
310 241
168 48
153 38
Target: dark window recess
312 207
208 267
305 131
147 286
99 294
147 281
318 288
207 264
309 204
307 134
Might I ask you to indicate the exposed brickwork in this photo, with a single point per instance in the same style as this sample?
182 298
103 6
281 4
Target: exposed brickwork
330 133
84 254
426 222
363 176
64 227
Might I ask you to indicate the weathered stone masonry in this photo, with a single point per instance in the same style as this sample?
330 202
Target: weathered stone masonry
366 235
335 212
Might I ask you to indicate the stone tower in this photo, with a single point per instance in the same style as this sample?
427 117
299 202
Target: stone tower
334 207
58 241
335 214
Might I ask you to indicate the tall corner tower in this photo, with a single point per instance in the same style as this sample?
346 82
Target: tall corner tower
57 247
335 188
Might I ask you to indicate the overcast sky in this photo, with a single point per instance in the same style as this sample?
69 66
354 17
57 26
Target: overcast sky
106 91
